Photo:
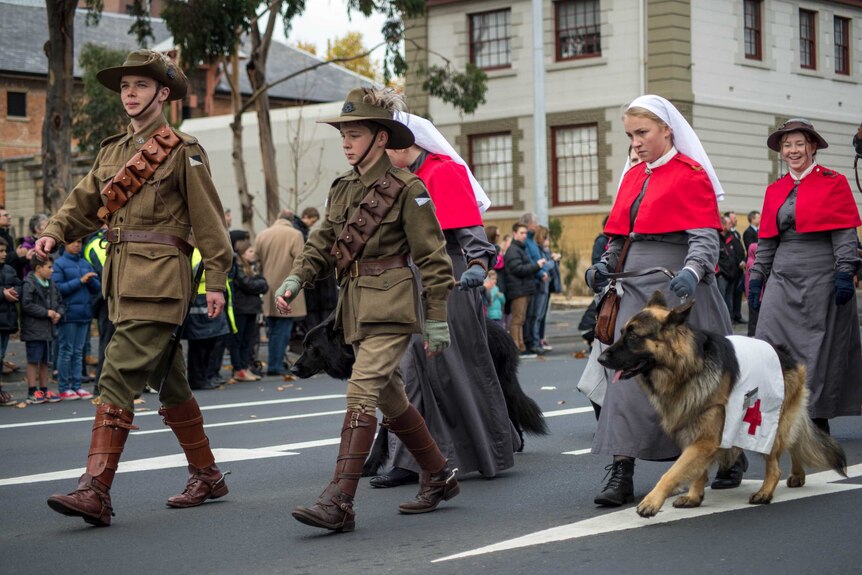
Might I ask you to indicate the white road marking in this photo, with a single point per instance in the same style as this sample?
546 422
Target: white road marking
714 502
246 421
150 463
203 408
578 452
570 411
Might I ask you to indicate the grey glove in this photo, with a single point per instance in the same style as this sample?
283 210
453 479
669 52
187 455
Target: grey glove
684 283
597 276
473 277
292 285
436 335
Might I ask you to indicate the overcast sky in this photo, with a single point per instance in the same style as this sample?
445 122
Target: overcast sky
327 19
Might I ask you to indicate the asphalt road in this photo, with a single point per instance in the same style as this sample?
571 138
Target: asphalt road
279 442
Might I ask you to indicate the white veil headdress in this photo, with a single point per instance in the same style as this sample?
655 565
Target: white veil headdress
684 138
429 138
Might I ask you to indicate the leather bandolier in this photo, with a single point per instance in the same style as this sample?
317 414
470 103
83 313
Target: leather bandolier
131 177
364 222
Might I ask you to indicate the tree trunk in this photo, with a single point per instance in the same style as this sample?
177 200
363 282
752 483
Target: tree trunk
246 200
256 69
57 126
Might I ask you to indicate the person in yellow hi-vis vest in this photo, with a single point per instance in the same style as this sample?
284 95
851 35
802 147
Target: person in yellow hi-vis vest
203 333
95 252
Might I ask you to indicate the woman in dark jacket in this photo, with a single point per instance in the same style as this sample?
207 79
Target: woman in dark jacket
247 304
520 283
10 290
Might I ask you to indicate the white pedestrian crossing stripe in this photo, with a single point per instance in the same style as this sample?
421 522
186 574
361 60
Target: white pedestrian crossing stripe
714 502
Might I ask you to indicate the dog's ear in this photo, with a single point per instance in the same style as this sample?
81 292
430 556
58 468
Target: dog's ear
679 314
657 300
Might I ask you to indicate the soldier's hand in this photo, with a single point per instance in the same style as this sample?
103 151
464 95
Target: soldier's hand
215 304
44 246
436 336
288 291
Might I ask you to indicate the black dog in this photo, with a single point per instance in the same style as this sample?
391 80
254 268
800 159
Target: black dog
323 349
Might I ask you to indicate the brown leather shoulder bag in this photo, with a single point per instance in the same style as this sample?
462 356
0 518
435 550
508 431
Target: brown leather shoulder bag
609 305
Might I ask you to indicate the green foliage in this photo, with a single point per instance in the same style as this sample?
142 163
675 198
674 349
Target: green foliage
464 90
97 113
141 27
206 30
555 232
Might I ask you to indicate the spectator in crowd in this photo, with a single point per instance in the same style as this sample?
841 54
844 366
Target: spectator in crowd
550 284
807 255
753 313
249 286
10 285
541 278
665 214
305 221
277 247
228 219
749 236
12 258
731 263
36 225
203 333
494 299
520 285
739 284
76 281
95 252
322 297
41 310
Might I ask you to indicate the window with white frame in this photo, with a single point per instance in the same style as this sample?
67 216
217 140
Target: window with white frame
575 156
753 29
842 45
491 162
577 29
490 35
808 39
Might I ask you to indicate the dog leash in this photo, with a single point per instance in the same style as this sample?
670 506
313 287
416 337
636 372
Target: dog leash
638 273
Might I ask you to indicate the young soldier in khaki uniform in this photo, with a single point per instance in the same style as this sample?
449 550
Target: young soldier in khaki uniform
151 201
378 302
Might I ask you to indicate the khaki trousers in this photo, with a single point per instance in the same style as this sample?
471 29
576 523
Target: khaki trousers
135 357
516 324
376 380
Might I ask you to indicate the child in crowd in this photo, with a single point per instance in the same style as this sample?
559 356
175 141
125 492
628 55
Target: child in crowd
494 299
11 286
247 305
76 280
41 309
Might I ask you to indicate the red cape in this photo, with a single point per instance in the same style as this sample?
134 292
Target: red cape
451 192
679 197
824 201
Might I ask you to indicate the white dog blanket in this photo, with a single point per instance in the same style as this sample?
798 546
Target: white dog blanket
751 418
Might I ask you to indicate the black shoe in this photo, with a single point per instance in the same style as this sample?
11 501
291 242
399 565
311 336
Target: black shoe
732 476
537 350
620 488
274 373
398 476
206 385
527 355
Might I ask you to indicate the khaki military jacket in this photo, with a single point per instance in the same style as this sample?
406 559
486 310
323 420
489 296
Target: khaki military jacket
388 303
148 281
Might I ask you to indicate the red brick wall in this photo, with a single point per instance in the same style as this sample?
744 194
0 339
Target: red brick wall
20 136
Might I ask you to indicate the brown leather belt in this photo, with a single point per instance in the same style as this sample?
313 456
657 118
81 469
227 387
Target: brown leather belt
377 267
116 235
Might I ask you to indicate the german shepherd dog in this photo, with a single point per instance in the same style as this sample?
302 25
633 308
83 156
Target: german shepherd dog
688 374
323 349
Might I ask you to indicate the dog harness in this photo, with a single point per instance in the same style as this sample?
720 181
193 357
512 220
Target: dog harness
754 407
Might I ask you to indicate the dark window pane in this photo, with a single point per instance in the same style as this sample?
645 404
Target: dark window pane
16 104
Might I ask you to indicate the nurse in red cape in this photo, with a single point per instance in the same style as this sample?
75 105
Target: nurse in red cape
665 215
803 278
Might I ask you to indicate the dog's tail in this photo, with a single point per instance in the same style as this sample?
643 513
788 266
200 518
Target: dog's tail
814 449
526 412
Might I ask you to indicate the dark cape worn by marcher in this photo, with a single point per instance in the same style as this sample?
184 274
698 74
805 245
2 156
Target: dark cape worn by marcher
798 308
458 391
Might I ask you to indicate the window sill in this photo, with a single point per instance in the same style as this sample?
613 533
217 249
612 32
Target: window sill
844 78
750 63
501 73
810 73
18 118
576 63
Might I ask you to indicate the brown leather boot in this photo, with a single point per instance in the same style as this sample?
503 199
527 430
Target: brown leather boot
92 499
205 481
437 481
334 508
